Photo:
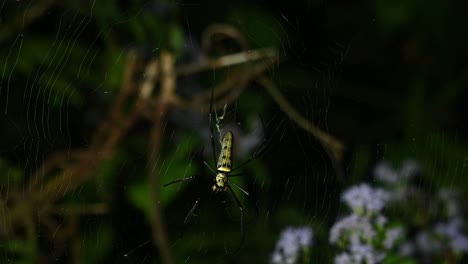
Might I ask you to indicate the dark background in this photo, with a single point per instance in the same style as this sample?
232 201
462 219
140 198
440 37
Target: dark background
387 79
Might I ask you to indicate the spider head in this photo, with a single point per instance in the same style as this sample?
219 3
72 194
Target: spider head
220 183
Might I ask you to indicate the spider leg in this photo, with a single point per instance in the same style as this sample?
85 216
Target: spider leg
211 126
238 187
235 175
191 212
179 180
245 192
241 209
209 167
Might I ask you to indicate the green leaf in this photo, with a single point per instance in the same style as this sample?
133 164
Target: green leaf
22 249
177 165
139 195
176 39
394 258
108 169
10 175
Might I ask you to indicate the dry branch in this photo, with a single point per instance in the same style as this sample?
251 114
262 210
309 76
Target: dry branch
76 166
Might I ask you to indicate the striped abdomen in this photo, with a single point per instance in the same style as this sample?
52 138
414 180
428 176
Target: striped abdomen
225 158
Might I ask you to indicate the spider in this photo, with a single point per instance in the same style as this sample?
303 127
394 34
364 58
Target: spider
221 181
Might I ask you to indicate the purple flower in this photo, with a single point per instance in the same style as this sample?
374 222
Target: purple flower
452 231
451 199
459 243
427 244
363 253
386 174
350 228
363 199
391 236
364 233
343 258
409 169
407 248
291 243
360 253
381 220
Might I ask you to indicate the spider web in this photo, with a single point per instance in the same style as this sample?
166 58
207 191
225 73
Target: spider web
86 124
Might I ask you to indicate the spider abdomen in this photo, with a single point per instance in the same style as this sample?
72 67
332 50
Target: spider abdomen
224 165
225 159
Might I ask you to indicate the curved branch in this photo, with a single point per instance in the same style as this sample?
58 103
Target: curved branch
327 140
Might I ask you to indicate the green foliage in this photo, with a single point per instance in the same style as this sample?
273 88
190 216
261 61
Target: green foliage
10 175
97 243
139 195
260 27
108 171
22 251
176 39
177 165
395 258
392 16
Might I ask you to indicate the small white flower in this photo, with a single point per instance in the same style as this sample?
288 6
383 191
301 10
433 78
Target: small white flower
453 232
409 169
359 253
381 220
350 227
292 241
427 244
459 243
343 258
304 236
362 234
276 257
363 253
386 174
363 199
451 199
391 236
407 248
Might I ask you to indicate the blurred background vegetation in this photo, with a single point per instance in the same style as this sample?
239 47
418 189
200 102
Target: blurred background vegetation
102 102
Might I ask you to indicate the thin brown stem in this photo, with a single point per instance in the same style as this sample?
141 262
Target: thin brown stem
227 60
328 140
154 154
74 174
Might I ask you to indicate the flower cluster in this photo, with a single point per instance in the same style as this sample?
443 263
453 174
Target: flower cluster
365 200
430 241
293 244
386 174
367 235
452 233
362 234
